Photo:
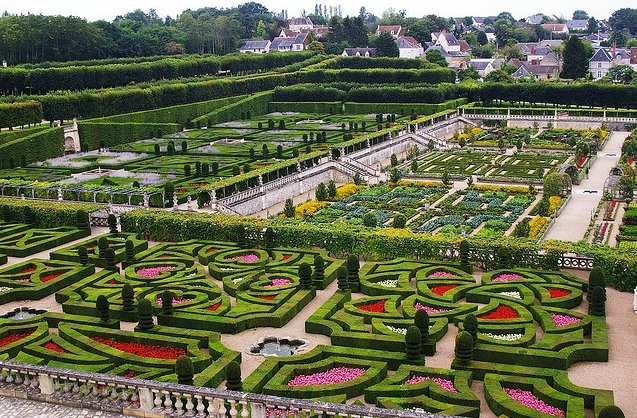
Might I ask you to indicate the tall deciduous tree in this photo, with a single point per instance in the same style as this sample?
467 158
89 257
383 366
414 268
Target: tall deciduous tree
575 59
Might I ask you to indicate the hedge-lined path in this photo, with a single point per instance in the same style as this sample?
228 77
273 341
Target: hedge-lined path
571 225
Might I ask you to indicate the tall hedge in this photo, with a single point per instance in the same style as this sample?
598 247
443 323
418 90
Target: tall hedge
306 107
20 113
402 108
255 105
91 134
39 146
47 214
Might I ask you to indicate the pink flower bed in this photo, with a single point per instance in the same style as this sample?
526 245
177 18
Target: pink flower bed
153 271
446 384
420 307
279 282
335 375
246 258
563 320
508 276
27 280
176 301
527 398
441 274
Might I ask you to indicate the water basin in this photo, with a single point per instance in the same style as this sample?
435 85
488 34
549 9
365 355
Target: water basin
280 347
23 313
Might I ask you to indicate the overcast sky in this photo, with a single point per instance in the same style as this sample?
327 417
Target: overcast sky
93 10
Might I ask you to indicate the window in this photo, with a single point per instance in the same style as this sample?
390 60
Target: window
599 74
599 65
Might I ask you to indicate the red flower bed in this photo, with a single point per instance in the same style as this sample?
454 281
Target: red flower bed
112 281
558 293
501 312
54 347
212 250
143 350
27 269
10 339
442 289
214 307
50 277
373 307
201 184
270 297
165 256
129 375
286 257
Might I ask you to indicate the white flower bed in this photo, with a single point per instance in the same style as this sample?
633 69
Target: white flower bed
398 330
502 337
388 283
237 280
5 289
515 295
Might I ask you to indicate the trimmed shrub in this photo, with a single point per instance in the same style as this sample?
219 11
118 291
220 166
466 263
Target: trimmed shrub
102 306
305 275
241 237
112 224
145 314
102 246
128 298
597 302
370 220
595 278
470 325
130 251
268 238
6 214
82 220
167 302
341 278
111 263
400 221
82 252
233 377
319 269
421 320
184 370
29 216
611 411
353 265
413 345
464 347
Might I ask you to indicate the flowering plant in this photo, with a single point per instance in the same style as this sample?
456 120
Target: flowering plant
11 338
564 320
378 307
508 277
176 301
442 289
329 377
420 307
558 293
54 347
501 312
214 307
143 350
153 271
279 282
440 274
503 337
515 295
446 384
527 398
388 283
246 258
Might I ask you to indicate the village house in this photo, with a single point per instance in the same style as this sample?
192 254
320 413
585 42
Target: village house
394 30
409 47
359 52
258 46
556 28
604 59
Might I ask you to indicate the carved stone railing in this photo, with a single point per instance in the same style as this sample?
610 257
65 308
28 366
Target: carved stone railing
576 262
142 398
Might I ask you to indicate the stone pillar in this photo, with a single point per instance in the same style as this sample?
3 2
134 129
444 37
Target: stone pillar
145 399
60 195
47 387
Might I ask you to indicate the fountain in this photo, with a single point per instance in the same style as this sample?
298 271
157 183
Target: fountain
23 313
280 347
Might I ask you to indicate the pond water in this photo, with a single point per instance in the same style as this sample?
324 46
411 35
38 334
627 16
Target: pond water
23 313
280 347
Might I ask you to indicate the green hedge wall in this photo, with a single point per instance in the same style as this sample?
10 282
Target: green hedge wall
9 136
379 76
255 105
47 214
39 146
331 108
402 108
19 114
91 134
379 62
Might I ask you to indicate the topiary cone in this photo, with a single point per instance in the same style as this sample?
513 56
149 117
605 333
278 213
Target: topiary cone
145 314
111 263
167 302
353 266
611 411
128 298
102 306
233 377
413 345
268 238
112 223
470 325
341 279
595 278
130 251
421 320
464 347
81 220
102 245
305 275
597 302
82 252
319 269
184 370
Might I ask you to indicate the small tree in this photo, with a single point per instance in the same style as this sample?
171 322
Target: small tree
145 315
595 278
394 175
281 125
214 168
81 219
102 245
400 221
169 191
446 179
252 154
187 169
82 252
413 345
167 302
464 347
370 220
241 236
157 149
184 370
288 209
130 251
102 306
279 151
421 321
331 189
319 269
353 265
198 169
413 166
111 263
357 179
552 185
128 298
393 160
305 275
597 302
205 169
184 147
233 377
268 238
464 252
112 223
321 192
470 324
341 279
6 216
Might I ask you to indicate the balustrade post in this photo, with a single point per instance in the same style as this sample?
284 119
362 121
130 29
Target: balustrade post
46 384
145 399
257 409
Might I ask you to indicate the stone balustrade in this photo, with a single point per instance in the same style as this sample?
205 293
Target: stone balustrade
142 398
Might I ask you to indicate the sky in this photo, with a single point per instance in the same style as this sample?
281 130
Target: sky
107 10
